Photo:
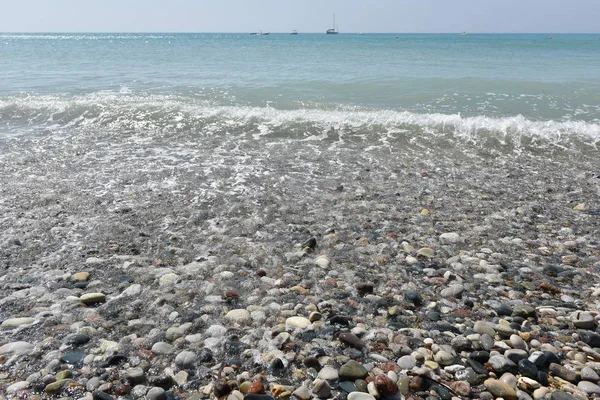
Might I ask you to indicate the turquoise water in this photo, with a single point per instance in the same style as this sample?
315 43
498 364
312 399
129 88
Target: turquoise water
509 84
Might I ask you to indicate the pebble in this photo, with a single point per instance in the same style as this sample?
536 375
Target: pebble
17 387
16 322
297 323
185 359
92 298
360 396
500 389
352 370
156 393
239 316
17 348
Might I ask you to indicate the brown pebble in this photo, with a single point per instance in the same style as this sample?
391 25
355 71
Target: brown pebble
351 340
121 390
416 382
385 385
546 287
463 388
364 288
230 295
256 388
261 272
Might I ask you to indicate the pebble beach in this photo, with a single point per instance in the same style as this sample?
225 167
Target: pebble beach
285 269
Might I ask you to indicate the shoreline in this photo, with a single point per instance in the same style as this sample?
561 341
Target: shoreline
424 269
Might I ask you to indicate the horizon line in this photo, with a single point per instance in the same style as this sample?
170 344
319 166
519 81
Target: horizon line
300 32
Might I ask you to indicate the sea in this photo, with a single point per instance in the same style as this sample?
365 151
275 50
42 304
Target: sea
158 101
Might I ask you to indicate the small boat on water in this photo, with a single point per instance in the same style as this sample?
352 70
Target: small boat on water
294 32
334 30
463 34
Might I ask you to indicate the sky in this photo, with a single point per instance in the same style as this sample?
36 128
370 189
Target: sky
389 16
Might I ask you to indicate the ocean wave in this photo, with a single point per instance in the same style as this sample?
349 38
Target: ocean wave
126 113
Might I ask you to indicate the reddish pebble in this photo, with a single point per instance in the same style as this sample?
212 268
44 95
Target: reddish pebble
261 272
257 388
121 390
385 385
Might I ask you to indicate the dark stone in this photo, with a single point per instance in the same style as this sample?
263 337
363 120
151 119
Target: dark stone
80 285
339 320
77 340
590 338
478 367
162 381
504 309
446 328
433 316
317 352
528 369
442 392
116 359
98 395
74 357
348 386
364 288
480 356
258 397
311 243
414 297
312 362
277 367
542 378
308 336
234 347
205 355
558 395
551 358
469 303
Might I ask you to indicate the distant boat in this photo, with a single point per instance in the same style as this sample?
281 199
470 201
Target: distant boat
294 32
334 30
463 34
260 33
360 33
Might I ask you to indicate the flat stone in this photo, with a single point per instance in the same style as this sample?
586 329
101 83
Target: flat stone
583 320
588 374
302 393
500 389
559 395
425 252
321 389
80 276
239 316
297 323
443 358
16 322
348 387
57 387
482 327
589 387
360 396
92 298
352 371
185 359
329 374
17 387
17 348
407 362
351 340
562 372
162 348
156 393
501 364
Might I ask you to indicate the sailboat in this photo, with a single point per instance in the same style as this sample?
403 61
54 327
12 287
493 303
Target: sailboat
332 31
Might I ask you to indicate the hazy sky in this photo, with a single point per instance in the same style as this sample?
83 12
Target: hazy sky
547 16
